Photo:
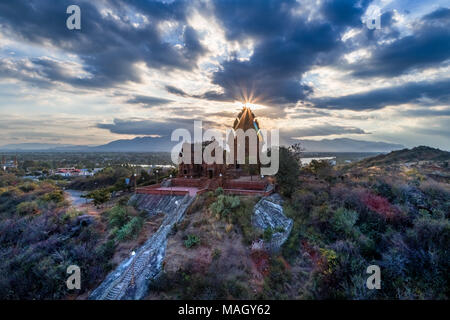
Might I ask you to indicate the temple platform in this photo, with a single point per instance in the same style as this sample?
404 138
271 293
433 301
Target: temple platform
192 186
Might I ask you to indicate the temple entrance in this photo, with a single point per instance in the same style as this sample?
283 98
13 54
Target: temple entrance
210 173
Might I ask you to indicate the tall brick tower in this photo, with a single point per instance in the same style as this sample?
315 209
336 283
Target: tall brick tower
246 120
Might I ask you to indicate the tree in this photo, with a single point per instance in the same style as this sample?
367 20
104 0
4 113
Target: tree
322 168
99 196
144 177
289 170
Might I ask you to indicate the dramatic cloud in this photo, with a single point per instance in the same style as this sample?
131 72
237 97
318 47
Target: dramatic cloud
148 102
415 92
287 44
150 127
428 46
325 129
110 43
146 67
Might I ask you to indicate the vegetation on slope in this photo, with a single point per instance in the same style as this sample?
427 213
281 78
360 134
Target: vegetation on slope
41 235
380 211
344 221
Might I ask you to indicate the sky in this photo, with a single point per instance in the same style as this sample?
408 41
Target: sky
313 69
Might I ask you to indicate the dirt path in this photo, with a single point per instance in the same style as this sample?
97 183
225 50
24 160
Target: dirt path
80 203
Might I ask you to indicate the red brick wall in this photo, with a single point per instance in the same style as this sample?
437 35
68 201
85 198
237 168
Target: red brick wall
161 192
192 183
248 185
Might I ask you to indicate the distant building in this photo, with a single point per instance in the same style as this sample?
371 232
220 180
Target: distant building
73 172
68 172
9 164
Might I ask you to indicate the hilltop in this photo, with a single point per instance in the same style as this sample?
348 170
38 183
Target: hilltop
417 154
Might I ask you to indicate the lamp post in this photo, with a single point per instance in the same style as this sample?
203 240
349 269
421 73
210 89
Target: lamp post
133 253
170 185
156 176
135 181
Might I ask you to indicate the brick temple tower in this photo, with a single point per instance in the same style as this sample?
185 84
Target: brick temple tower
245 120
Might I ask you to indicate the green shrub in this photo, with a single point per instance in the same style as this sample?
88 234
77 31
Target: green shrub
28 187
344 220
131 229
117 216
27 208
191 241
55 196
225 204
218 191
242 217
99 196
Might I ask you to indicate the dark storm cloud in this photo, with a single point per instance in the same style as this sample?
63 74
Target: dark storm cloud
325 129
208 95
176 91
428 46
286 46
422 93
344 12
439 14
151 127
108 46
148 101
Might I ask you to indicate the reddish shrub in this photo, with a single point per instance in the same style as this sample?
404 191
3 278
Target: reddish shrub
261 260
380 205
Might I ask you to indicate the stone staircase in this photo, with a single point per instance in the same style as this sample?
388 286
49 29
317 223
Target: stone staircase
130 280
155 203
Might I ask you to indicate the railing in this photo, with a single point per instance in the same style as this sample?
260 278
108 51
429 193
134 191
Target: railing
145 190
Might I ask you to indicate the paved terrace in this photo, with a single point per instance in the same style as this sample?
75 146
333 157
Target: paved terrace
183 186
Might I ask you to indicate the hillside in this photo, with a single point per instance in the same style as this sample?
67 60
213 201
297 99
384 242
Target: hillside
394 215
421 153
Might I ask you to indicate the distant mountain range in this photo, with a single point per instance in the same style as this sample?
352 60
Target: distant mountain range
138 144
348 145
156 144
